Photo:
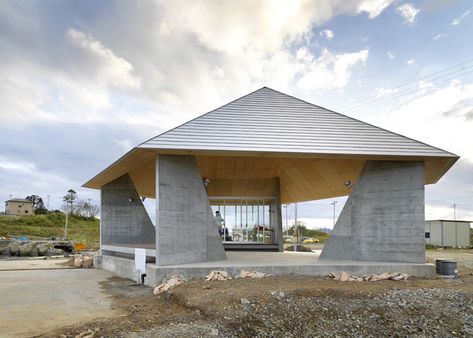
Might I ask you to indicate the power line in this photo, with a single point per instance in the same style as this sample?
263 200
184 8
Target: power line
464 66
415 81
404 92
401 95
451 199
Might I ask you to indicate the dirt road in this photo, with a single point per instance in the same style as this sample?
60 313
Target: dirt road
462 257
36 301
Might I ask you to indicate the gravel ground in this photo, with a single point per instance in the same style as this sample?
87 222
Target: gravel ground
393 313
288 306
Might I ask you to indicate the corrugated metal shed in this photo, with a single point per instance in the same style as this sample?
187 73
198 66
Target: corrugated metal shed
269 121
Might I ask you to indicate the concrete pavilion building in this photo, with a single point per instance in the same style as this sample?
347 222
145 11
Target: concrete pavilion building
247 158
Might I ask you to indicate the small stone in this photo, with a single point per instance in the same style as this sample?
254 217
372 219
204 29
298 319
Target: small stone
214 332
244 301
278 294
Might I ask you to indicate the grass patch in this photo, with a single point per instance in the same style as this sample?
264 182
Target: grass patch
80 229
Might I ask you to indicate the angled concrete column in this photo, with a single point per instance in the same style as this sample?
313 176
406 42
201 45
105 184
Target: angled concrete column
383 218
186 231
278 214
123 218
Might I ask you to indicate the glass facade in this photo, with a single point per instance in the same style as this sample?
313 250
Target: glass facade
245 220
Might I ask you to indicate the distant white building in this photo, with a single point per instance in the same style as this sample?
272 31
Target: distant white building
448 233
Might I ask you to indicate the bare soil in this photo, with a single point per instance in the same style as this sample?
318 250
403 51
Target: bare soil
308 306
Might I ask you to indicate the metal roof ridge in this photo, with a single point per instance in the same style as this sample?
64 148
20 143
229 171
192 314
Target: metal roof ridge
197 117
305 102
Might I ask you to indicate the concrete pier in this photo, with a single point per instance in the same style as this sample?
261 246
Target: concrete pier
383 218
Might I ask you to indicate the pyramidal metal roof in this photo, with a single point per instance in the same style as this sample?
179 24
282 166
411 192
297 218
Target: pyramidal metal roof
269 124
269 121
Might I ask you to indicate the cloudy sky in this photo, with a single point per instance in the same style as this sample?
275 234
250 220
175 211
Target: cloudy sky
82 82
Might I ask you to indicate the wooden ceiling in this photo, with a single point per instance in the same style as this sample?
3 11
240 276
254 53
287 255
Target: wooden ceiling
301 178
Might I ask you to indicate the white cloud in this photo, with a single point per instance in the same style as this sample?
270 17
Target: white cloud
383 92
374 7
438 110
109 68
29 179
391 55
326 33
329 71
408 12
439 36
460 18
410 61
172 64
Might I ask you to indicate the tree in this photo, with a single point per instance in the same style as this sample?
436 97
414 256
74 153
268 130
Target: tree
94 210
86 208
38 205
69 199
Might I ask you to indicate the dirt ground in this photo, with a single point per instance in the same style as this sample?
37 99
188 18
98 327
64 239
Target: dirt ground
302 307
41 300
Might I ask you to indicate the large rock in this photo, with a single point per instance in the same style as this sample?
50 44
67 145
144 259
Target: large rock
87 262
14 248
43 248
27 249
4 247
78 261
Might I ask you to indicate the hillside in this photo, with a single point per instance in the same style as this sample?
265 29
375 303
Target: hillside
80 229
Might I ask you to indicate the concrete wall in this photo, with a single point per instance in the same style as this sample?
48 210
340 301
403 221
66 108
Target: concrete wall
186 228
383 218
19 208
278 215
448 233
123 218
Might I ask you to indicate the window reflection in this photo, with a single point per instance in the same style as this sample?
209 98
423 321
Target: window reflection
245 220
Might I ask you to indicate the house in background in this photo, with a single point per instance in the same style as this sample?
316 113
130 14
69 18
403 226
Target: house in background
448 233
18 207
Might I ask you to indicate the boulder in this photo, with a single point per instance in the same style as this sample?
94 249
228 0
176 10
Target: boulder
54 252
4 247
14 248
43 248
87 262
27 249
78 261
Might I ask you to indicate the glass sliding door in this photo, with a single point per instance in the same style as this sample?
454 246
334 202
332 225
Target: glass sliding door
246 219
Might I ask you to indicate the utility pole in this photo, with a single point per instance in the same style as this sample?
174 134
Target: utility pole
47 205
334 203
296 228
65 226
454 211
287 219
88 208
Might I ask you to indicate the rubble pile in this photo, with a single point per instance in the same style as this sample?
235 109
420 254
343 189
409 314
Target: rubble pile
168 283
217 275
346 277
251 274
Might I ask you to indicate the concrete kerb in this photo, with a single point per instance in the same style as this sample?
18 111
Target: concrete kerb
124 267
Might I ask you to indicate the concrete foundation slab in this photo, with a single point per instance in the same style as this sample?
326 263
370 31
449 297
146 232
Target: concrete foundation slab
275 263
